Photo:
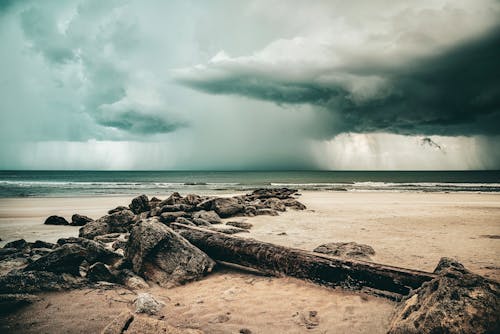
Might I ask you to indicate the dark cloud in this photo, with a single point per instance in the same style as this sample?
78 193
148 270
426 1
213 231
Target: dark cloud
455 93
138 123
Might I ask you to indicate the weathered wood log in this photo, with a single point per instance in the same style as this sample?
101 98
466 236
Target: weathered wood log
319 268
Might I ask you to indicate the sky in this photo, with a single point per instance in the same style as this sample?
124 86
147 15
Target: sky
263 84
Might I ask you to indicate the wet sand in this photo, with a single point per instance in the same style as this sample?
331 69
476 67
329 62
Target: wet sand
411 230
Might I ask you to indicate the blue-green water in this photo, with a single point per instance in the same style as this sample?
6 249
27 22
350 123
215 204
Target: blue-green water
102 183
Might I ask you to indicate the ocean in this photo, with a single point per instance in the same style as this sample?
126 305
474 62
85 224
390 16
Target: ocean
112 183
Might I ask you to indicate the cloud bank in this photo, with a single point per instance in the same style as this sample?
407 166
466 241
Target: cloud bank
255 85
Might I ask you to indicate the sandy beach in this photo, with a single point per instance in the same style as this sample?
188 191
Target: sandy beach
411 230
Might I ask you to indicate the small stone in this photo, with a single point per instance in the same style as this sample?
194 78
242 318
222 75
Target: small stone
146 303
56 220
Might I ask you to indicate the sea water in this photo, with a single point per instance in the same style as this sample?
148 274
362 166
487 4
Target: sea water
109 183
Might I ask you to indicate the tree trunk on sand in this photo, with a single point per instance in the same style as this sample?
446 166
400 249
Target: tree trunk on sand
278 260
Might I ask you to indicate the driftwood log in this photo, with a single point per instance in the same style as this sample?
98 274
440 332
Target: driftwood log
389 281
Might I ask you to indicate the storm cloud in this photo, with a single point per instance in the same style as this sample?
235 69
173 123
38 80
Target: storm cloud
282 84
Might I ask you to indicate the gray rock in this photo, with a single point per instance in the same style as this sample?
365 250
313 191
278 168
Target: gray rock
243 225
227 207
210 216
175 198
175 208
159 254
169 217
96 251
93 229
65 259
117 209
42 244
280 193
294 204
275 204
348 250
36 281
200 222
80 220
56 220
18 244
228 230
146 303
118 222
140 204
185 221
457 301
99 272
266 212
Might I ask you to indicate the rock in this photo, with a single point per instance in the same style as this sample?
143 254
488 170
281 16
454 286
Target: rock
210 216
111 237
117 209
280 193
161 255
80 220
245 331
242 225
11 302
118 222
205 204
227 207
266 212
348 250
175 208
185 221
93 229
275 204
457 301
227 230
294 204
120 324
132 281
99 272
65 259
145 303
56 220
36 281
201 222
42 244
140 204
18 244
95 250
250 211
169 217
192 199
175 198
7 251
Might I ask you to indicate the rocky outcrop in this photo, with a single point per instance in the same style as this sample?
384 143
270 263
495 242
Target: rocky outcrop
159 254
80 220
227 206
210 216
140 204
117 222
56 220
347 250
457 301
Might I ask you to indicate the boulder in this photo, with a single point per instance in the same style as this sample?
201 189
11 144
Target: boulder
42 244
146 303
348 250
294 204
93 229
210 216
280 193
228 230
99 272
457 301
35 281
200 222
275 204
18 244
80 220
175 208
175 198
243 225
140 204
159 254
56 220
117 209
65 259
227 207
96 251
169 217
266 212
192 199
185 221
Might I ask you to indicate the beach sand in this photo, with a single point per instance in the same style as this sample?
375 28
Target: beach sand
410 230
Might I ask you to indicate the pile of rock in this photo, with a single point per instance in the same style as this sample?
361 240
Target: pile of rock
132 245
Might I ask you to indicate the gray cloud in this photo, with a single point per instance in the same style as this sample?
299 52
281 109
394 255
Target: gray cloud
455 93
